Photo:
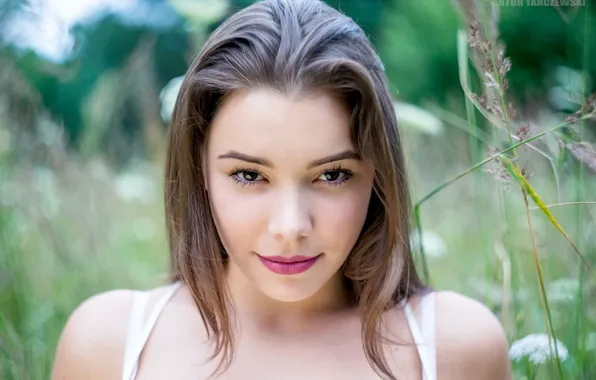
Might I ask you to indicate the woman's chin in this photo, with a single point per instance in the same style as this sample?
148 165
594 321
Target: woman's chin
289 292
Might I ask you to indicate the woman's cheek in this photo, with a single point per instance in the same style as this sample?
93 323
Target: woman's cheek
237 215
340 220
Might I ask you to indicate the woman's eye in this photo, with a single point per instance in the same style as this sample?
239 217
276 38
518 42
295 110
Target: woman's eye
245 177
335 177
331 176
249 176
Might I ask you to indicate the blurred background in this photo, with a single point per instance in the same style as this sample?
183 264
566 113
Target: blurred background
86 91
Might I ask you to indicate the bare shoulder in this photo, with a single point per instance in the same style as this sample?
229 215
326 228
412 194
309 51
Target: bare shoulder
471 343
92 342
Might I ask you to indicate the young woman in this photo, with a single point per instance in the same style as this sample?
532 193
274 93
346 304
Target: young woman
288 219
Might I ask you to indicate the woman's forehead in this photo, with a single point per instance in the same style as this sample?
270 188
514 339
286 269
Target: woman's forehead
264 120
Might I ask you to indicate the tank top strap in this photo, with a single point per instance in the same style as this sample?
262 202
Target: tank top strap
140 330
424 334
428 327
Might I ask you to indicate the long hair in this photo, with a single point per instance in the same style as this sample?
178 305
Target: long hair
291 46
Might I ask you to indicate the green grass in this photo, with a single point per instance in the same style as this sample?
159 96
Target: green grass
52 258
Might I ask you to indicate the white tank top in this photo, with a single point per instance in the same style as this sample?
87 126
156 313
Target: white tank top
138 332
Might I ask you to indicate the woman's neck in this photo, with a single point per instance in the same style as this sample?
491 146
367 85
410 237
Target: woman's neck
254 308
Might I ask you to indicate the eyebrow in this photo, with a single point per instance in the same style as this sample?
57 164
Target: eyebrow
345 155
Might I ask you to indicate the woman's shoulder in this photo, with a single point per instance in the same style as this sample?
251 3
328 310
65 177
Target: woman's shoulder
470 341
93 339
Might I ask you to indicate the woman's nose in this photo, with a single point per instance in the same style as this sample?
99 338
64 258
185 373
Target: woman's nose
290 216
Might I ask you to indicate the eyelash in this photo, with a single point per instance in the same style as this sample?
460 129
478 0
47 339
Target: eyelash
348 174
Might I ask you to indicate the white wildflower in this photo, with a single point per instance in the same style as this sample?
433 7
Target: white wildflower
561 99
168 96
537 349
417 119
202 11
433 244
135 187
570 79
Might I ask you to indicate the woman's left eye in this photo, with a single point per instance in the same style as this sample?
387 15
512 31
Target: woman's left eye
335 177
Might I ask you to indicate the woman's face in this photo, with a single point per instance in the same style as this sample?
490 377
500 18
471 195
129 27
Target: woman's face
284 181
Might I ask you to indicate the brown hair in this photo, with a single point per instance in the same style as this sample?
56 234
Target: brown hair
291 46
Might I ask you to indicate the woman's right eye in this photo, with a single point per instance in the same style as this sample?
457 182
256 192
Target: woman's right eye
245 177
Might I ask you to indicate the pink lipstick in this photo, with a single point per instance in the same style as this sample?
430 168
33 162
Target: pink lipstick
288 265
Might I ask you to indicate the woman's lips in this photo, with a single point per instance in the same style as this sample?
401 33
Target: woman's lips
288 265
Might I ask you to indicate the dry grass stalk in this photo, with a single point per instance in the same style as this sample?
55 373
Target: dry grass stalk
495 68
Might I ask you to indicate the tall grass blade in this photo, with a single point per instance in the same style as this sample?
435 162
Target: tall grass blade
525 185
